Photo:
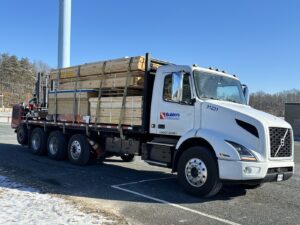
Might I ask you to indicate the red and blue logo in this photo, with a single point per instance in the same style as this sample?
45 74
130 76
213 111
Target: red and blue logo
169 116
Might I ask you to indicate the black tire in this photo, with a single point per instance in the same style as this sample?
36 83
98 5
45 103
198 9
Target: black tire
127 157
38 141
200 164
57 145
251 186
79 150
22 135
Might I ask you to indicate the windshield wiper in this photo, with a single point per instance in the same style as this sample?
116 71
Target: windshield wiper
230 100
209 97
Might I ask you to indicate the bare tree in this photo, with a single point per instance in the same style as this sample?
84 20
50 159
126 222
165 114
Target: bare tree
274 103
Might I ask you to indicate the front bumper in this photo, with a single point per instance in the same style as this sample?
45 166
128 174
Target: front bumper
262 171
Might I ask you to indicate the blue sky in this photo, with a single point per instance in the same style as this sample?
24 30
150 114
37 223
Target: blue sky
258 40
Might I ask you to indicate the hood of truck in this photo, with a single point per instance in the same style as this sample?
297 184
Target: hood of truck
221 117
265 118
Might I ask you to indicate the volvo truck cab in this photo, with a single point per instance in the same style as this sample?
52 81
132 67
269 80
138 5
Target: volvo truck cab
220 137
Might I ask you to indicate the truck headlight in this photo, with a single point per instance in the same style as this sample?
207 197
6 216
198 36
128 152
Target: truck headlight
245 153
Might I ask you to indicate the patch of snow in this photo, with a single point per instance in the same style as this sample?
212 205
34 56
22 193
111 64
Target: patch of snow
20 204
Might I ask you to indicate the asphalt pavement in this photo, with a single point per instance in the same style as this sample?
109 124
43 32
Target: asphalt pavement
144 194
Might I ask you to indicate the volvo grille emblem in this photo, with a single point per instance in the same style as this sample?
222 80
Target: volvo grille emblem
282 141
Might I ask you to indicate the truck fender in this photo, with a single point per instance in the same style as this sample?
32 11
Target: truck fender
208 138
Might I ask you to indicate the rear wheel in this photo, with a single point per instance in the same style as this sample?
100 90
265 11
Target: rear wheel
198 172
127 157
38 141
79 150
57 145
22 135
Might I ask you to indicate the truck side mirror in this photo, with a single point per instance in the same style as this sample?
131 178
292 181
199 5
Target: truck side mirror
177 83
246 93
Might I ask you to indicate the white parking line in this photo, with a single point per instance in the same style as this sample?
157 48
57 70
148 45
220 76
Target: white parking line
168 203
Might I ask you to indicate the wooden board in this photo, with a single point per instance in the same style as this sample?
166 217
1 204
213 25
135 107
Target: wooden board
66 107
69 118
132 102
111 66
110 110
65 103
80 94
126 121
110 81
128 113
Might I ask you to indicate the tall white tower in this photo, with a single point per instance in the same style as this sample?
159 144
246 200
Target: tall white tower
64 33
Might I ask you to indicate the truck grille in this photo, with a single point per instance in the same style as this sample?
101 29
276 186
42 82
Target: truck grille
280 141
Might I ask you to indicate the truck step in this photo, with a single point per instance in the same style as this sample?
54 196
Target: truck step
156 163
161 144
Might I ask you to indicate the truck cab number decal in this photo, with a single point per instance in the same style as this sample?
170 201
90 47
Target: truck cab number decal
212 108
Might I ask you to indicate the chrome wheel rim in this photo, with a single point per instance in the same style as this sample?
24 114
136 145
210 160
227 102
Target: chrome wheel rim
75 150
35 141
53 147
196 172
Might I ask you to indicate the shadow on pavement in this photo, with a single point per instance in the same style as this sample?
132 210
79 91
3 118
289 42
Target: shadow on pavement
95 180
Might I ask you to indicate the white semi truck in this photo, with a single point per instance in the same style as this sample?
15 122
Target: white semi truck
196 121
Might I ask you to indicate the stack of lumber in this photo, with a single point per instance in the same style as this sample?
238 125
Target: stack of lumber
110 110
111 77
66 106
113 74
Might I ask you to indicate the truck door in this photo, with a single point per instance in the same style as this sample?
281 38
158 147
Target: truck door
175 111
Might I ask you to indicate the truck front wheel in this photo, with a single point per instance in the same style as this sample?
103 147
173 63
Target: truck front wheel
38 141
57 145
79 150
198 172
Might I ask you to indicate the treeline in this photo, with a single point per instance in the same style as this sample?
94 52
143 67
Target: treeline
274 103
17 78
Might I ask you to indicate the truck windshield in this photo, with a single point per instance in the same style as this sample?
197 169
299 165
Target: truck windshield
214 86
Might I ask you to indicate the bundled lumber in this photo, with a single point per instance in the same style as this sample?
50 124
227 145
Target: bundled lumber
135 79
112 74
104 67
66 104
115 79
110 110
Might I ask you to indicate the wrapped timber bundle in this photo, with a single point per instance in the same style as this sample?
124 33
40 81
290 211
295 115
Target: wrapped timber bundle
113 73
118 86
71 105
110 110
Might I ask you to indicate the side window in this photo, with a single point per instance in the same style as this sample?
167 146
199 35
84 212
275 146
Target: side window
168 88
177 88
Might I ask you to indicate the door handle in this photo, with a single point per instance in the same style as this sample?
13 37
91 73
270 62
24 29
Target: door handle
161 126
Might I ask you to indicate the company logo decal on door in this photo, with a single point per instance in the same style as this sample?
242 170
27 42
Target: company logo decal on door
169 116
